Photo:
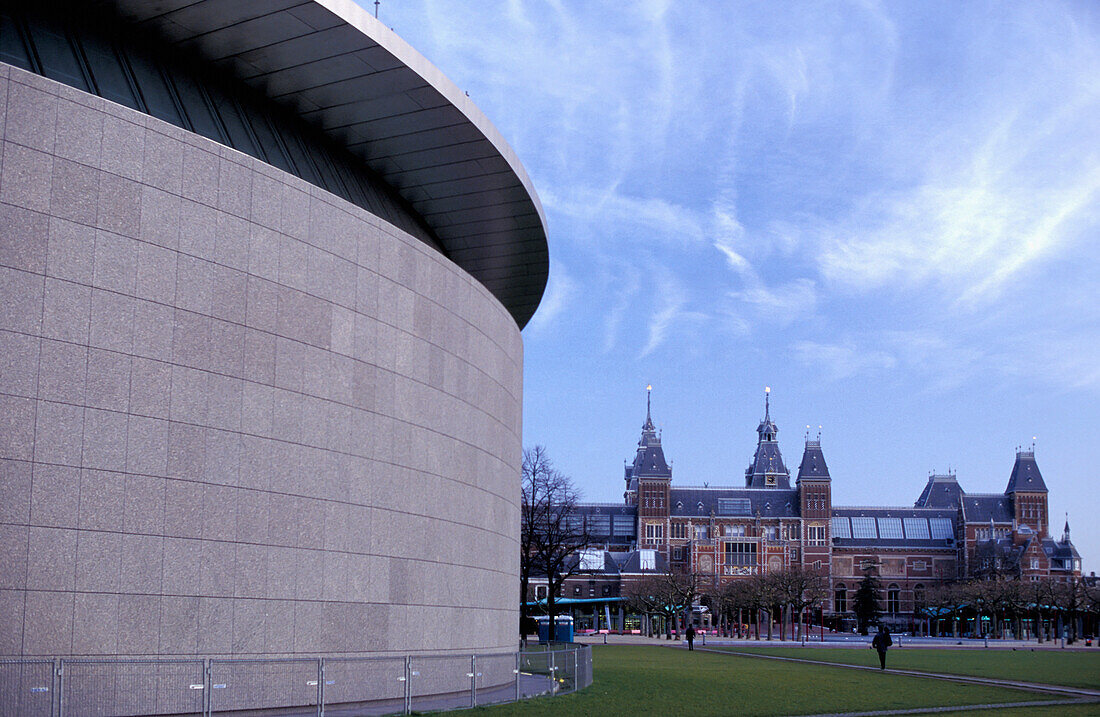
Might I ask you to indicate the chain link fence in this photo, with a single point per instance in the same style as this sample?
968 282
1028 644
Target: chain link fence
334 686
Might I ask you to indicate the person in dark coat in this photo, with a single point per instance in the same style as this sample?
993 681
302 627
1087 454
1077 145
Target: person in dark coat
691 637
882 642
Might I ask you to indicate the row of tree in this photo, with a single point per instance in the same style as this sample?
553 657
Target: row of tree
736 606
1005 599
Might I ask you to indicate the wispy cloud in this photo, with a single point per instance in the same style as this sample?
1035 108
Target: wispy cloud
842 360
984 192
781 304
561 289
670 304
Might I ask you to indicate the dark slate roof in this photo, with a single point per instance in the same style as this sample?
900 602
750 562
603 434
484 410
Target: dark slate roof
768 502
859 511
813 462
983 507
1058 549
941 491
649 460
1025 475
767 460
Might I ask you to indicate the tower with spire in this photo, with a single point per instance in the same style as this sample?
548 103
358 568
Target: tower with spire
767 469
1028 493
815 503
649 477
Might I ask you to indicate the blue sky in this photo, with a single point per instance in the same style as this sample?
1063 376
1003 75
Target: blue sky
889 213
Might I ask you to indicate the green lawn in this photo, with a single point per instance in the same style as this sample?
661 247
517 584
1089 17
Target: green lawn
659 680
1090 710
1050 667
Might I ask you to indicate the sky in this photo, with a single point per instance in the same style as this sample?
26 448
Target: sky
889 213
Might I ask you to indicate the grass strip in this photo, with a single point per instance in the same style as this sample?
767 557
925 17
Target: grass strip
1048 667
658 680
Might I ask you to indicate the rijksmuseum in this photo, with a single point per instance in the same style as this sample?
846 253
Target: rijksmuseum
772 523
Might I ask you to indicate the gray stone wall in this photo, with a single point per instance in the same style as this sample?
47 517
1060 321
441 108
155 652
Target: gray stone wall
238 415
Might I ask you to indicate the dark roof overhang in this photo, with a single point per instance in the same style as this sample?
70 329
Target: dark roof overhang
354 79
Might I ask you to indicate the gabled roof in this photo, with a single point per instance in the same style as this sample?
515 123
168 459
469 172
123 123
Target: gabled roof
1025 477
1059 549
941 491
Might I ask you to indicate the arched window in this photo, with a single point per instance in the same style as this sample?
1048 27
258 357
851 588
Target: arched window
918 594
893 599
840 598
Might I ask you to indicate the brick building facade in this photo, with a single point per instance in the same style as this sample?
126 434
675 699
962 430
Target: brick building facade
728 533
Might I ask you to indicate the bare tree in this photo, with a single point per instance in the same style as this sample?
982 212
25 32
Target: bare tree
1035 594
667 594
551 532
800 588
1069 599
743 596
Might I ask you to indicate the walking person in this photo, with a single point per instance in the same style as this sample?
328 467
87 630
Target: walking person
882 642
691 637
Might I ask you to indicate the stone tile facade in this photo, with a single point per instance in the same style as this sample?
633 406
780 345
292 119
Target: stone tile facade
238 415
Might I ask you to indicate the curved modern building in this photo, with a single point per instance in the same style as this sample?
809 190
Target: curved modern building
263 271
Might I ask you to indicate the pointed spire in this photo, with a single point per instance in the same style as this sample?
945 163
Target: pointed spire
767 428
767 469
1065 531
650 458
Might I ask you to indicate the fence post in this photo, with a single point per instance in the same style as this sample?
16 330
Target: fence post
553 674
321 687
207 688
473 680
519 664
61 688
576 664
408 684
55 688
